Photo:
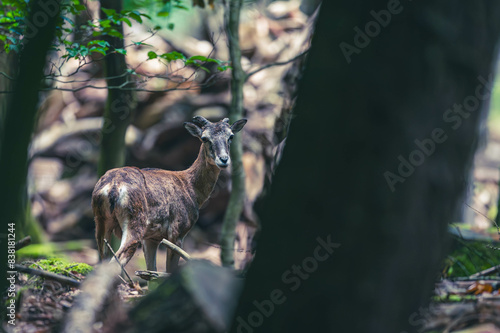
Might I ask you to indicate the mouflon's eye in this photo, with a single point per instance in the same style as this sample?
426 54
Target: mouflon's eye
231 137
204 139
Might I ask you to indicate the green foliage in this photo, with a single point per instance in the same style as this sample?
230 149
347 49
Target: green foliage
197 61
60 266
454 298
469 257
45 250
13 22
93 42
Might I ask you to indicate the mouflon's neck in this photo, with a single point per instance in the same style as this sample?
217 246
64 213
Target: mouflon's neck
203 175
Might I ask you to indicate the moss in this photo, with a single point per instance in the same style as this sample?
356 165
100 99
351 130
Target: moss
60 266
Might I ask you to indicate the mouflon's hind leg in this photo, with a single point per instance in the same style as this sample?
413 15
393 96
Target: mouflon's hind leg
103 231
129 244
100 229
150 248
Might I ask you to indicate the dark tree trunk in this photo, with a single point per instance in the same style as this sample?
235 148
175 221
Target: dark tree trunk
19 118
119 105
354 119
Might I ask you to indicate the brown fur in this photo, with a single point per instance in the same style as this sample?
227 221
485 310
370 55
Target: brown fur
151 204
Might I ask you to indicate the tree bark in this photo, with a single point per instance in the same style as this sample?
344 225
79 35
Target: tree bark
236 200
19 118
119 104
370 251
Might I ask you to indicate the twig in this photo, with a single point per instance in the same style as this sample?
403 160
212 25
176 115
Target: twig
281 63
496 225
48 275
119 263
486 271
123 280
151 275
177 249
23 242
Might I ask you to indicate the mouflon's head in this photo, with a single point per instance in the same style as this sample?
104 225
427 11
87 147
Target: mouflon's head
216 137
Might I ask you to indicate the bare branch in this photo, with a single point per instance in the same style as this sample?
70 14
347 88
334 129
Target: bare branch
118 261
23 242
177 249
151 275
276 64
48 275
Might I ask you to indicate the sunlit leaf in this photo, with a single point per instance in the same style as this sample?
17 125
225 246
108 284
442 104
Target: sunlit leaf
152 55
98 50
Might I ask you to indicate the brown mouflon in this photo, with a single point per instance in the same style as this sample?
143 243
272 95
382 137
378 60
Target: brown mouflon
151 204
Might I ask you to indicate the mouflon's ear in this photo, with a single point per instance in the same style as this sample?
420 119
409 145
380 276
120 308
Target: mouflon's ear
193 129
200 121
238 125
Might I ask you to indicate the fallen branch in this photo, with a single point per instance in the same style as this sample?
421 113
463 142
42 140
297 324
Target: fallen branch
48 275
177 249
486 272
23 242
151 275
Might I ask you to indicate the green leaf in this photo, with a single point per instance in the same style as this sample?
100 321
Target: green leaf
146 16
141 43
101 43
198 57
80 7
166 9
152 55
223 68
170 26
135 16
173 56
68 20
98 50
121 51
126 20
181 7
113 32
105 23
108 12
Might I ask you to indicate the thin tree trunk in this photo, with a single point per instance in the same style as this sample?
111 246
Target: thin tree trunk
347 247
19 118
236 200
119 105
